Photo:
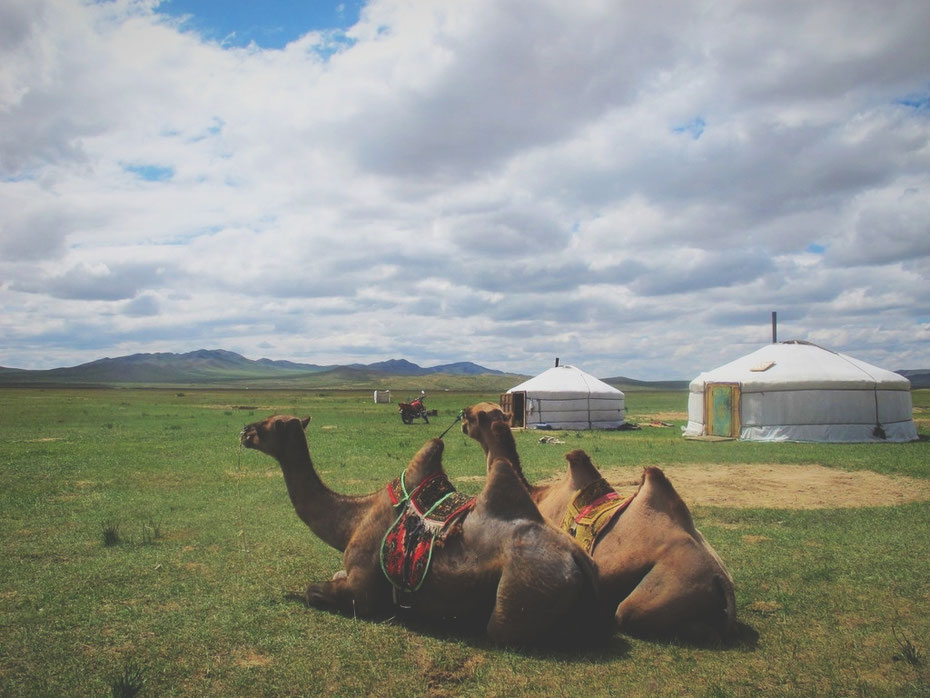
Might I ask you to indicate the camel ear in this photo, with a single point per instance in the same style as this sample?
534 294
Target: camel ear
304 422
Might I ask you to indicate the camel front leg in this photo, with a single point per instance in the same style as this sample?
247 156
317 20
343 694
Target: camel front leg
359 593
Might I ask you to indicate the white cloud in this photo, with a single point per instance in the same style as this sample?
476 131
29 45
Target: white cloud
632 188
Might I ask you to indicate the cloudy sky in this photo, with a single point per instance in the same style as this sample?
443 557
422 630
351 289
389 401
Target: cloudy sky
632 187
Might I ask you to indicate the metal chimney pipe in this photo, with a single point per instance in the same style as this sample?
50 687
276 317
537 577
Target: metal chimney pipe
557 361
774 327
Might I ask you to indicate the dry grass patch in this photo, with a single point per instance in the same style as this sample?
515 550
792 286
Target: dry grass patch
750 486
669 416
249 659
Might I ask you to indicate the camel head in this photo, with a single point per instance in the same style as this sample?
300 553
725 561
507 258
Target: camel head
274 435
478 418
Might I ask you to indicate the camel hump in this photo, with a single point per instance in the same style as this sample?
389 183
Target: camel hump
504 496
654 476
427 461
656 489
580 466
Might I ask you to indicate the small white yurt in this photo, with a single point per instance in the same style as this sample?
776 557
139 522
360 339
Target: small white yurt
564 397
797 391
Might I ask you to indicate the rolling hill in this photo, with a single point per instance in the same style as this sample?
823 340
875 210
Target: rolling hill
220 368
226 369
919 378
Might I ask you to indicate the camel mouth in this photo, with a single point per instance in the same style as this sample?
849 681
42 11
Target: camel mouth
248 436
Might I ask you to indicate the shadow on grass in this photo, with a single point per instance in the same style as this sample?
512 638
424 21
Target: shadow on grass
594 650
600 647
597 649
743 637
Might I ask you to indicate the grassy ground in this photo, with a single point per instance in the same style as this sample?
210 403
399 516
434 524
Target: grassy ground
188 597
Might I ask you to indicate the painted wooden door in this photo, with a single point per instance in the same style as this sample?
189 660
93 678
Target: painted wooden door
721 409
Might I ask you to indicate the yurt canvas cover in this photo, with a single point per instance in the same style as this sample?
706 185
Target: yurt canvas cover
565 397
796 391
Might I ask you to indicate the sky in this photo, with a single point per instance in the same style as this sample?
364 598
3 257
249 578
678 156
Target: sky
632 187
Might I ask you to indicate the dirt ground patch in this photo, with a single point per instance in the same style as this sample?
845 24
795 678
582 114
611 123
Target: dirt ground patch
764 486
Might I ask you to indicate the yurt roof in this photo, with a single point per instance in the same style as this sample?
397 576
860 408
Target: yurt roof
798 365
566 381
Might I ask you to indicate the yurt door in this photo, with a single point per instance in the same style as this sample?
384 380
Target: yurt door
515 404
721 409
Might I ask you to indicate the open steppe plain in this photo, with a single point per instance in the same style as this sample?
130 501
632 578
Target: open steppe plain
143 549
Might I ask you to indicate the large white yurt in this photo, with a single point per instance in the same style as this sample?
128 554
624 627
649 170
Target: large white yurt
564 397
797 391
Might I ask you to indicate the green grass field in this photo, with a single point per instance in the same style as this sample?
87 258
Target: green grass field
141 548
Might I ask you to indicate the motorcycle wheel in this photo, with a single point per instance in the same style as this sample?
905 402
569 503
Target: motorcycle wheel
406 418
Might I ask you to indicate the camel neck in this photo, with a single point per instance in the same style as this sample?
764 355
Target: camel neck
331 516
498 442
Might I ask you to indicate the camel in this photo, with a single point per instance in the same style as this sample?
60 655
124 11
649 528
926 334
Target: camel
658 574
502 565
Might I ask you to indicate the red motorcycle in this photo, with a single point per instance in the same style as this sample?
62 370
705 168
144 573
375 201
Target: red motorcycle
413 409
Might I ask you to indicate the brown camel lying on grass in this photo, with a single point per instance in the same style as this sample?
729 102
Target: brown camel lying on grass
501 565
656 570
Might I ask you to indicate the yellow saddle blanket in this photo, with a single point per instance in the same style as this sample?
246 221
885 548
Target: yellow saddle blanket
591 509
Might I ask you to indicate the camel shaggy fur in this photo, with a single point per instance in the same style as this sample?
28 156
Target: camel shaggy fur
524 581
658 574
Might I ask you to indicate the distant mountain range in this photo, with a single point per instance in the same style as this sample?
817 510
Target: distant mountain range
919 378
220 368
217 365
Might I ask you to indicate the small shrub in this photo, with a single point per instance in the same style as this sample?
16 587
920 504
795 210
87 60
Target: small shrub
129 683
909 652
110 531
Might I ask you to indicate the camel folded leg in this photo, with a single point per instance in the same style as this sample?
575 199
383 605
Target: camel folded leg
533 590
358 593
662 605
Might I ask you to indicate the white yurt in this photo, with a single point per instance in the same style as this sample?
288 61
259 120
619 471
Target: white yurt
564 397
797 391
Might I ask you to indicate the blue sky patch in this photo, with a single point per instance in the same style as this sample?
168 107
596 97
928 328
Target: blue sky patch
816 249
915 101
694 128
270 24
151 173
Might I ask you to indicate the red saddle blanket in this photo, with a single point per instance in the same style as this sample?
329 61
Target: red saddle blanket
426 515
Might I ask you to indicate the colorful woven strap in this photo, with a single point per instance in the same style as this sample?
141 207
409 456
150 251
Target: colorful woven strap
592 508
425 515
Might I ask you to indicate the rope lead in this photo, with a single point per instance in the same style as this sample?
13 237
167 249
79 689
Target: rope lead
456 421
